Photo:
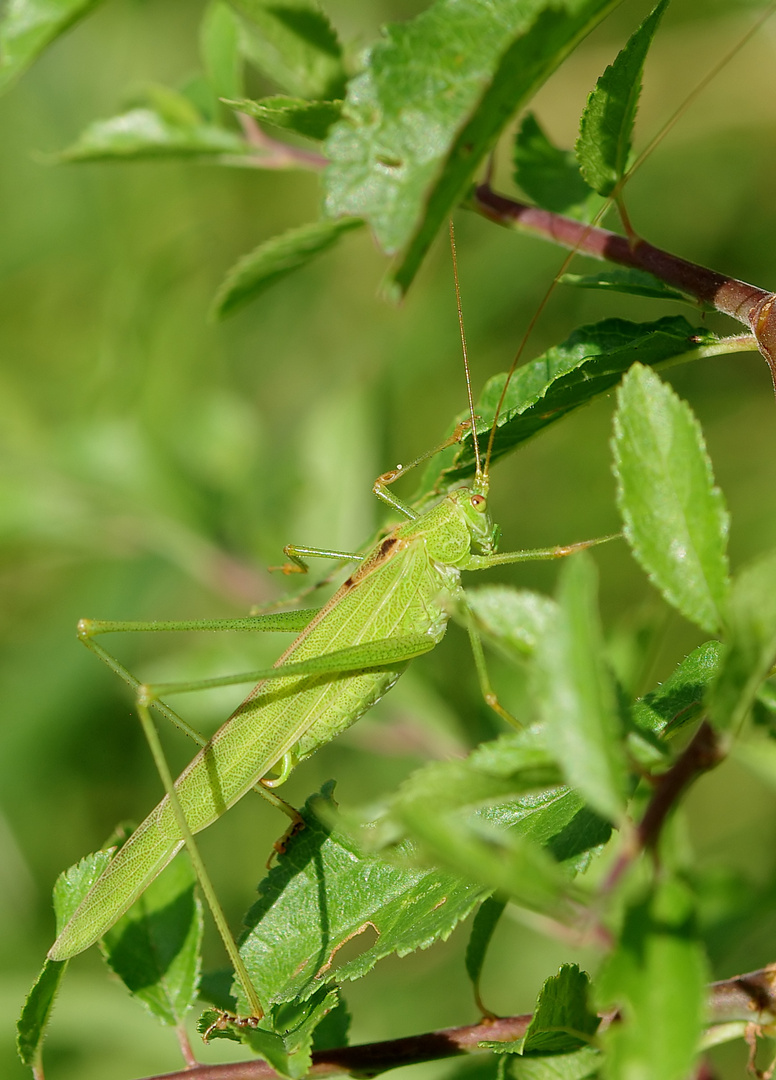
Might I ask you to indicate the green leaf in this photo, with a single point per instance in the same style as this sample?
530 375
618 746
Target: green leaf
630 282
69 890
29 26
562 1017
155 947
484 848
606 127
509 766
577 1065
219 46
294 43
73 884
675 518
324 892
513 618
295 1023
587 364
327 891
485 921
287 1033
272 260
750 620
144 133
764 709
680 699
309 118
435 95
171 105
500 817
656 977
556 1044
215 988
31 1025
550 176
334 1029
578 701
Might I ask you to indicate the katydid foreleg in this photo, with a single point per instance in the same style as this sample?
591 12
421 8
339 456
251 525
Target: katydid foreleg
466 615
560 551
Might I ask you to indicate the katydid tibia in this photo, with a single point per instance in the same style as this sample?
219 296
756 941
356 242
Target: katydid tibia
393 607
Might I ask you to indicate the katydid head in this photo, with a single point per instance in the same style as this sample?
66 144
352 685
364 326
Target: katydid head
473 505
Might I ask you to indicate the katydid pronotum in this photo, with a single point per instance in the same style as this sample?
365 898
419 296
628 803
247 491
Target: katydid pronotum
393 607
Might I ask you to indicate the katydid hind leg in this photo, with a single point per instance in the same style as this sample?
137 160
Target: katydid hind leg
275 622
174 718
378 653
205 884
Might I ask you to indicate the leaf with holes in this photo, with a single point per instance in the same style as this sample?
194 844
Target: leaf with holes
436 93
325 892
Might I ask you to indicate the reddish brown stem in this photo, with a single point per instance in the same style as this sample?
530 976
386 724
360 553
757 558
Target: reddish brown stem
702 754
371 1059
753 307
748 997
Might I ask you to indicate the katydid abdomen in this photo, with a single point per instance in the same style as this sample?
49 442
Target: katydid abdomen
398 590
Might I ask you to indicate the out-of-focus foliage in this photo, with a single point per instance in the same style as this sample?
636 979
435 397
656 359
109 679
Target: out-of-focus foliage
152 465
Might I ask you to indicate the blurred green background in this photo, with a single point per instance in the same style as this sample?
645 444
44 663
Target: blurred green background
153 465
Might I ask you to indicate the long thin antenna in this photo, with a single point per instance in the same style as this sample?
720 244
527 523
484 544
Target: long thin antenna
465 354
673 119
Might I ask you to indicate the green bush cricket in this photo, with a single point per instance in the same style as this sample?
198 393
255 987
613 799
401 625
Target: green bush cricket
394 607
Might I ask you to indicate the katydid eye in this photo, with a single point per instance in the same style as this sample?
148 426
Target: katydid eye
478 502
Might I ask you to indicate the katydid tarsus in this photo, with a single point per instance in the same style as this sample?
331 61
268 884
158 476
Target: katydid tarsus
393 607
